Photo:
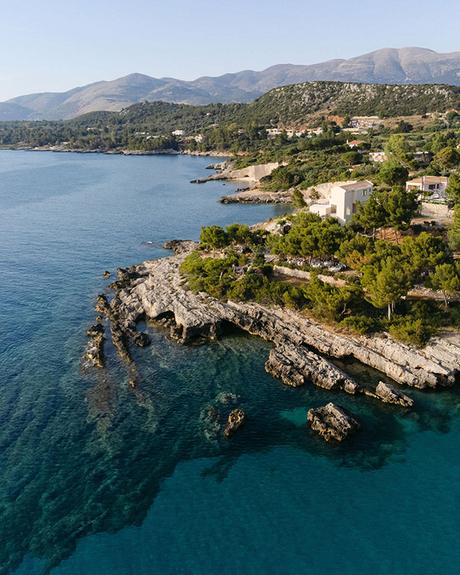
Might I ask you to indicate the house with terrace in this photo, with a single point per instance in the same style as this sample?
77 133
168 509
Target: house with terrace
431 186
343 199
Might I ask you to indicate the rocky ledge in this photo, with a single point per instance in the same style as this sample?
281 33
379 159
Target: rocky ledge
332 422
257 196
389 394
303 349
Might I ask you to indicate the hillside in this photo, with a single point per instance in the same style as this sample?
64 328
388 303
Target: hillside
297 104
386 66
148 126
301 103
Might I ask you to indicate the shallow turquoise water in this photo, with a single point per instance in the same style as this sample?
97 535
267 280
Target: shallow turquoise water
96 479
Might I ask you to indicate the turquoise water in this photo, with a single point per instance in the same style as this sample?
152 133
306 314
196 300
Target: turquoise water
98 479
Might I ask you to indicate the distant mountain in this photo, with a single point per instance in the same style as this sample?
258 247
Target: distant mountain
386 66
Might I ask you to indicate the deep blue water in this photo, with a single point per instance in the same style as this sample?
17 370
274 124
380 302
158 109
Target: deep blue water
98 479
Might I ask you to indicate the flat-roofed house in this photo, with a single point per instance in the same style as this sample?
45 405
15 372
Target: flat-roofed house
378 157
343 200
432 185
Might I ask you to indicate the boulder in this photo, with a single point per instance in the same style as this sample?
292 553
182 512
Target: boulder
235 420
332 422
389 394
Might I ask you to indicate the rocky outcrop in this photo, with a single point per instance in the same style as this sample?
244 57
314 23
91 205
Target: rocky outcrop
122 326
389 394
296 365
179 246
94 351
332 422
257 196
235 420
303 348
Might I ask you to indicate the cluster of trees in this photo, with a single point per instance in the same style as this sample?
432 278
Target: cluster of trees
310 237
388 271
374 296
395 208
216 237
236 276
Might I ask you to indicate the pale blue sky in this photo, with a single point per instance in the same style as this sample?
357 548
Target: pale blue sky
54 45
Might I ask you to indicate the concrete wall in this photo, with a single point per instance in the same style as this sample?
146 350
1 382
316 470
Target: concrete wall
435 210
254 173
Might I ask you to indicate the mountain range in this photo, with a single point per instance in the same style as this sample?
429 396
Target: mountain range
385 66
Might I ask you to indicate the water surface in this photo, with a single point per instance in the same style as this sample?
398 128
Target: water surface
98 479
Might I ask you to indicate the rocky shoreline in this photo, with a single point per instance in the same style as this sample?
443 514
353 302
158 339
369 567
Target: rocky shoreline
257 196
118 152
303 350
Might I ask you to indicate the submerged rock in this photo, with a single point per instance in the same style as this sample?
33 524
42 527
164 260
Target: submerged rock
106 274
226 397
210 422
332 422
235 420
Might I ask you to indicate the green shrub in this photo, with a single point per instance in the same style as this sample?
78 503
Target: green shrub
409 330
360 324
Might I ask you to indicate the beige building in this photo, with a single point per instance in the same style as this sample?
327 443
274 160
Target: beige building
377 157
343 200
435 186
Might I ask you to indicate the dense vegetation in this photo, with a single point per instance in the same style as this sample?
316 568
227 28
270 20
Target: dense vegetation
233 127
292 103
237 263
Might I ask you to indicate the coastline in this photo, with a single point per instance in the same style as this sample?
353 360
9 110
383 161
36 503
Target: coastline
250 194
304 350
124 152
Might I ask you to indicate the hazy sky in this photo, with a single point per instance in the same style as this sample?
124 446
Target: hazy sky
54 45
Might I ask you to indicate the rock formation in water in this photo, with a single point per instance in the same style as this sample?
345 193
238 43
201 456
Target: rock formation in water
389 394
332 422
303 349
235 420
94 351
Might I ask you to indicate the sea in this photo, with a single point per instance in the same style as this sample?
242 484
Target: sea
97 478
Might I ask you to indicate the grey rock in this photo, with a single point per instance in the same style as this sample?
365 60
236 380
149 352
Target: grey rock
389 394
235 420
332 422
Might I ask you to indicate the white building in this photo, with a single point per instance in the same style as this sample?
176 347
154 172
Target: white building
344 198
178 133
377 157
290 132
432 185
365 122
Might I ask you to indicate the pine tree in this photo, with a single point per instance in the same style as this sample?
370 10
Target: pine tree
446 279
